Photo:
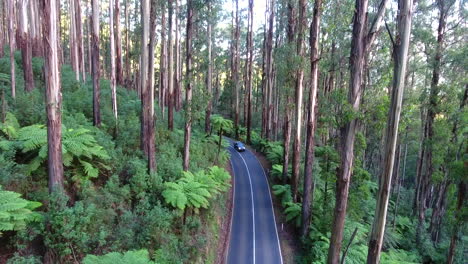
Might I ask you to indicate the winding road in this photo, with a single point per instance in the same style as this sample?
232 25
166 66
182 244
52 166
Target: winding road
254 236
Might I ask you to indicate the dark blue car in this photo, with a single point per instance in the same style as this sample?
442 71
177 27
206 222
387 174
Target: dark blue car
239 146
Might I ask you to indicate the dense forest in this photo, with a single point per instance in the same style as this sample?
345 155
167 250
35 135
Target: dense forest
115 116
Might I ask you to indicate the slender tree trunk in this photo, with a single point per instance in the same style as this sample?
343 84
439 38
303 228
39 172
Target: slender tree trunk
431 114
25 46
309 182
360 44
147 98
209 77
127 46
269 70
11 35
299 91
236 70
291 32
171 78
399 71
177 66
118 45
399 184
2 28
73 44
95 67
163 65
113 59
249 71
53 94
79 38
188 95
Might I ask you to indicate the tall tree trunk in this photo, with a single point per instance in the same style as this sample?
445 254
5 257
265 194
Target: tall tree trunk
399 184
188 95
95 67
431 113
209 77
291 32
127 46
73 44
400 57
360 45
249 70
112 59
79 38
53 94
171 78
11 36
25 46
3 14
299 91
236 70
147 98
118 45
309 182
163 64
269 70
177 66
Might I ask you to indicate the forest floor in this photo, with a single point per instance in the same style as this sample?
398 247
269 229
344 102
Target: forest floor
290 246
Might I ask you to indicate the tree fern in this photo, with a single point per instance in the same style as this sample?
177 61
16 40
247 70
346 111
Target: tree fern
80 151
194 190
293 213
16 212
284 192
10 127
275 154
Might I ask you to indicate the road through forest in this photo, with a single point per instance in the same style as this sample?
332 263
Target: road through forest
254 236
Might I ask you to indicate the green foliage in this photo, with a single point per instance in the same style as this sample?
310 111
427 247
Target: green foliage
82 155
129 257
275 154
221 125
276 171
16 212
293 213
284 192
194 189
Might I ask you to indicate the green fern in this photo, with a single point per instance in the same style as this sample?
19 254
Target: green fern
186 192
293 213
80 151
16 212
10 127
275 154
129 257
194 189
284 192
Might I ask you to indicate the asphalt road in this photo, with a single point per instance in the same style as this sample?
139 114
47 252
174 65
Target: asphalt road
254 236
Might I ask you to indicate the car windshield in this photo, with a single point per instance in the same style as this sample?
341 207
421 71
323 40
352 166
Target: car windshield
239 144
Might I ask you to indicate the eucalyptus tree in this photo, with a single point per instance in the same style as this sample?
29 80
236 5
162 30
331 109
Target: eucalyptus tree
309 184
400 58
95 62
360 44
53 94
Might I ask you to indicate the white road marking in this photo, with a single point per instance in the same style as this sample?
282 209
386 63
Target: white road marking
253 208
272 210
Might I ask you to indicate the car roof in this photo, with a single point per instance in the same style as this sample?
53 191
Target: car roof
239 143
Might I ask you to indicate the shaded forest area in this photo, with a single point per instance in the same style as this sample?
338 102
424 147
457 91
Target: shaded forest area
112 112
